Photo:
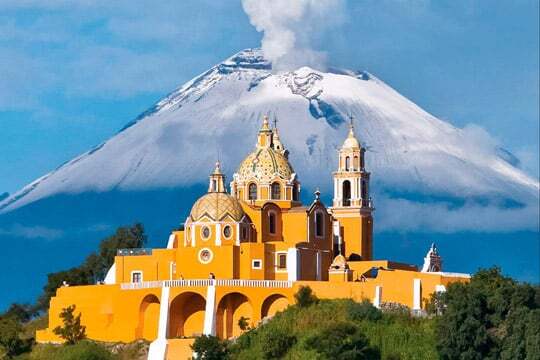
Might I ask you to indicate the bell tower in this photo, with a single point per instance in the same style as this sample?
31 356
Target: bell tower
352 205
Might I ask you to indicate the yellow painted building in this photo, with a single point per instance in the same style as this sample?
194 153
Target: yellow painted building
245 254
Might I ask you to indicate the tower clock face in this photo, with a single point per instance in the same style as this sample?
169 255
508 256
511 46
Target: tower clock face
205 256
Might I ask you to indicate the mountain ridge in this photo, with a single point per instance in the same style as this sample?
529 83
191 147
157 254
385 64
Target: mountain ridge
408 149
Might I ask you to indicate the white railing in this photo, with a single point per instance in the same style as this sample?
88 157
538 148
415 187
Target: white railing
207 282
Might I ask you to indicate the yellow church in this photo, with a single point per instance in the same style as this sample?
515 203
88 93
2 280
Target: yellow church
244 253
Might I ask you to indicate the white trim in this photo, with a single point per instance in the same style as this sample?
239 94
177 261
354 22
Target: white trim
135 272
417 294
238 234
192 235
218 234
378 296
210 310
110 278
158 348
170 243
276 258
292 264
256 267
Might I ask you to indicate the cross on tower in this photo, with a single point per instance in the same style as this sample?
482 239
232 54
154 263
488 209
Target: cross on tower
351 118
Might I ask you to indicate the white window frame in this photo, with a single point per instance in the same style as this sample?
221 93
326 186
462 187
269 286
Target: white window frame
256 267
277 268
136 272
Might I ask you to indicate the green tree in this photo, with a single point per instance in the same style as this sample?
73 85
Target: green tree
210 347
304 297
243 323
487 318
10 339
342 341
72 331
96 265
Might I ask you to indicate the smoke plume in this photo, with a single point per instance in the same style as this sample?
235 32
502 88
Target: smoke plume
291 29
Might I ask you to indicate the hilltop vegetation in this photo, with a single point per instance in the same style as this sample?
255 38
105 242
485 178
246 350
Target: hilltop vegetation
492 317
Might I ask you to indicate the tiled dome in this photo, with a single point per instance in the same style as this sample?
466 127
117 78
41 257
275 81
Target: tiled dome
217 206
265 165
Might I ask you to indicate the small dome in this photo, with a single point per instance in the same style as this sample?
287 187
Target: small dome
217 206
339 262
264 165
351 142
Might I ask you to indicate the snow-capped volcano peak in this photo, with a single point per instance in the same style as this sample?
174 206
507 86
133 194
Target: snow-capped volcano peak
176 141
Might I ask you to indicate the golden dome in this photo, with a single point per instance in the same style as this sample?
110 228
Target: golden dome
216 206
264 165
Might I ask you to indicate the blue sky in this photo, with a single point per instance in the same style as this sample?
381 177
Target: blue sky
72 73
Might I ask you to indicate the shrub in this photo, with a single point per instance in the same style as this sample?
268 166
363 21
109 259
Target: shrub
210 347
276 343
491 317
363 311
84 350
10 339
342 341
72 331
243 323
304 297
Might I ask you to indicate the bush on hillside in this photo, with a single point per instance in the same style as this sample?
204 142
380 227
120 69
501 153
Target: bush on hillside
492 317
364 311
10 339
210 347
276 343
84 350
304 297
342 341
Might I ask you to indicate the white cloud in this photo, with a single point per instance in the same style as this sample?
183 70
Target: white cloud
32 232
447 218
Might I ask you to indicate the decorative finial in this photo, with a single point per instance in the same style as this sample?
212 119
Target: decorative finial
351 118
275 122
217 169
317 195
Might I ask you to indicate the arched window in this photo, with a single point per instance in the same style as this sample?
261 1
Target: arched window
295 192
252 191
272 222
276 191
347 163
356 163
346 193
214 185
319 224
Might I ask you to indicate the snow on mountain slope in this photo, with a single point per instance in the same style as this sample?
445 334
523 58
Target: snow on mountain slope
175 143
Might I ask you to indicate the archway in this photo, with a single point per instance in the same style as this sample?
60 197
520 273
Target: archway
273 304
230 309
346 193
147 326
186 315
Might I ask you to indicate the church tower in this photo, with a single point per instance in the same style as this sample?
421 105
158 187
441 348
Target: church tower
352 206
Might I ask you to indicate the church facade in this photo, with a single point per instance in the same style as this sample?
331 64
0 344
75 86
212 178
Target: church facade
244 253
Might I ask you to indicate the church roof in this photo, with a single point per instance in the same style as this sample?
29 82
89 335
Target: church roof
216 206
264 165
